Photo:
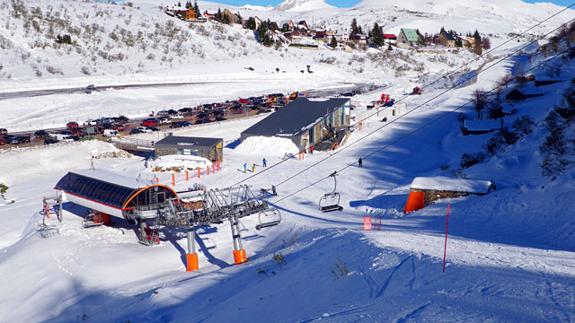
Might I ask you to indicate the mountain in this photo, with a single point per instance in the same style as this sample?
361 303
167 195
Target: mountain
302 5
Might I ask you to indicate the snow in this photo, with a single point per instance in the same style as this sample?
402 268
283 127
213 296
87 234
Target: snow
440 183
498 256
481 125
112 177
302 5
170 162
266 146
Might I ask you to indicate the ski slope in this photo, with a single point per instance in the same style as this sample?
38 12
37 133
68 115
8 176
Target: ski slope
502 266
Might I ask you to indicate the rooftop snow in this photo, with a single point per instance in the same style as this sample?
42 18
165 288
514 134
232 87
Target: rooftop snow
447 184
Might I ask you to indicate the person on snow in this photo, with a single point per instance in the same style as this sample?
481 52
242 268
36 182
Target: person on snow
245 167
360 162
253 167
265 162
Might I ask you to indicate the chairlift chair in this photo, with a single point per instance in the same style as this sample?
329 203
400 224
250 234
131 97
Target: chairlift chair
268 218
329 202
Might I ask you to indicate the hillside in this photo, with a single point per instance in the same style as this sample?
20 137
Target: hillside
511 247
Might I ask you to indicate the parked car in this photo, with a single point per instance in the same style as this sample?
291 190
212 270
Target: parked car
11 139
180 124
120 119
152 129
72 125
41 134
135 131
50 140
186 110
177 116
2 141
164 120
3 132
150 122
110 133
90 88
89 130
23 138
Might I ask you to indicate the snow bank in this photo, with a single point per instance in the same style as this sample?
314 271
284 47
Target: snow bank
22 164
181 162
440 183
267 146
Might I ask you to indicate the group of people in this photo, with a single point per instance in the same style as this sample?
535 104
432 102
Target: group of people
264 164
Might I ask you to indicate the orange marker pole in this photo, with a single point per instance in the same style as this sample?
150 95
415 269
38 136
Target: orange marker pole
173 179
187 176
208 170
213 168
199 172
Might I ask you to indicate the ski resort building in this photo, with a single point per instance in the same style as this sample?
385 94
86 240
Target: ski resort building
306 122
111 193
426 190
209 148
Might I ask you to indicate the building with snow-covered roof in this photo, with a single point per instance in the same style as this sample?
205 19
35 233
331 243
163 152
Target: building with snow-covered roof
209 148
306 122
426 190
112 193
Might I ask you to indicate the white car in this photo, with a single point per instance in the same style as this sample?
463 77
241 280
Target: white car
177 117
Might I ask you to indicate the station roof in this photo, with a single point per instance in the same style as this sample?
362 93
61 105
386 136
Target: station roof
188 141
109 188
295 117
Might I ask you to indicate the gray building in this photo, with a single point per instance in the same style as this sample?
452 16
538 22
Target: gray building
210 148
306 122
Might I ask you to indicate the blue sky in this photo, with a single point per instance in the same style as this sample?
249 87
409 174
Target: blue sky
346 3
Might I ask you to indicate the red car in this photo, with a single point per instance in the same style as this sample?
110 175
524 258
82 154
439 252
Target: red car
150 122
2 141
72 125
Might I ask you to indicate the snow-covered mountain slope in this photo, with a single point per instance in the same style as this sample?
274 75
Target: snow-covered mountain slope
511 247
302 5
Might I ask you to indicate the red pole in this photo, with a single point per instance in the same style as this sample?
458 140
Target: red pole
446 233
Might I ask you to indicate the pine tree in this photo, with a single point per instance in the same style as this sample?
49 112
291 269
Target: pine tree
219 15
188 5
251 23
197 10
354 29
333 42
377 36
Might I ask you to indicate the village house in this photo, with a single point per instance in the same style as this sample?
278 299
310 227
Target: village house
409 38
390 39
306 122
445 38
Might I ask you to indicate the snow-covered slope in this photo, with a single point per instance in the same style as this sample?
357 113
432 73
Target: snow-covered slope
302 5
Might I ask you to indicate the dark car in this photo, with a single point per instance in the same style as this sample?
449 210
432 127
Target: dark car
119 120
154 128
186 110
12 139
180 124
220 118
172 112
50 140
135 131
41 134
3 132
90 88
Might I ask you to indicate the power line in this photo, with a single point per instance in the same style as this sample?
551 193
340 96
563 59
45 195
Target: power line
400 139
411 111
431 83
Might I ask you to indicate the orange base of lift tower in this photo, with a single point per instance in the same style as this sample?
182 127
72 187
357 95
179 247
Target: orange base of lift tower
240 256
192 262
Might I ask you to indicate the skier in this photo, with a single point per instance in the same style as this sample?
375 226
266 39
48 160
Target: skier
245 167
360 162
265 162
